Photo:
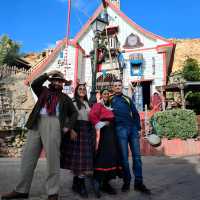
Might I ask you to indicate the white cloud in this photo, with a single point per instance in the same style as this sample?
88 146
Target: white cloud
50 45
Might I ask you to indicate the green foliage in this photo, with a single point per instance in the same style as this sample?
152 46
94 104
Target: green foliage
191 70
193 99
175 123
169 95
176 77
9 51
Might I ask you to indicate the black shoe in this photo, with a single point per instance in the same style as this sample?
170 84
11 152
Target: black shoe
142 188
96 187
53 197
75 184
81 188
14 195
107 188
125 187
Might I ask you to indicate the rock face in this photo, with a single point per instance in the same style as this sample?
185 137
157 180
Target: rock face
34 58
12 146
20 100
185 48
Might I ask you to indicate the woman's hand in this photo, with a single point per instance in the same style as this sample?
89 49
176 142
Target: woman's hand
107 123
73 135
97 139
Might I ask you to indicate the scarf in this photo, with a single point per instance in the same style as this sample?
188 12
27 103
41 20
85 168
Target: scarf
51 99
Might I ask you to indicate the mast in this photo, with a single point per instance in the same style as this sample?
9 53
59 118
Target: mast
67 37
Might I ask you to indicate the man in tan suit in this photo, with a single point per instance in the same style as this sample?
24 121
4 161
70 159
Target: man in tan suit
53 114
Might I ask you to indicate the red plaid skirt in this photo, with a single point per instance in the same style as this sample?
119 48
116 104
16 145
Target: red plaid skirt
78 155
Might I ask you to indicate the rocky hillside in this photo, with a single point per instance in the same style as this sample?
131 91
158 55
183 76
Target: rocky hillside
185 48
34 58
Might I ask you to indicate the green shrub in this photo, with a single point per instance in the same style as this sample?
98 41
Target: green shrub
191 70
193 99
177 123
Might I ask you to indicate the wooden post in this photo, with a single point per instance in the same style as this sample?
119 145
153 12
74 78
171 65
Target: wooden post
146 124
163 99
182 96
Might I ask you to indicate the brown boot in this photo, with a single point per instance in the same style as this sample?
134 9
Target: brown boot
53 197
14 195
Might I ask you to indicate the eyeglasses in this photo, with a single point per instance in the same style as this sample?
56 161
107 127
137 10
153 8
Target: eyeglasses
117 85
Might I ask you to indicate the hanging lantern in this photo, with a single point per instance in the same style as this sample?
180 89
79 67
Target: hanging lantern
100 23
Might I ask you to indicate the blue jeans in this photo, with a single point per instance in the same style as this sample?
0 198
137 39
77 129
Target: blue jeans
125 136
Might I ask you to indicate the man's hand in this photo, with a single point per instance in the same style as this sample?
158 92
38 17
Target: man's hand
73 135
65 130
139 133
52 72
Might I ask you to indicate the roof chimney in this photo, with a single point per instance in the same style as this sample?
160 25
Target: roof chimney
116 3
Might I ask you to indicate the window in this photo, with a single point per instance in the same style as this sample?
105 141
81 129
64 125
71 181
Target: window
153 65
136 69
136 61
61 54
113 42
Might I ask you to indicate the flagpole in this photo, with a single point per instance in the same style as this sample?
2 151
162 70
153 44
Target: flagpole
67 36
68 18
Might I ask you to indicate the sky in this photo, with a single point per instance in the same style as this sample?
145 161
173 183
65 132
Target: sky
38 24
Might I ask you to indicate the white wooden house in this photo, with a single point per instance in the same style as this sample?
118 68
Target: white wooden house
146 58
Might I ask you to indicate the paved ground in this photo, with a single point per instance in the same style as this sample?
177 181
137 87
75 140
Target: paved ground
168 178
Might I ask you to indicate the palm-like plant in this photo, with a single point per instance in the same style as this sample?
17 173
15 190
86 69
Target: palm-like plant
9 51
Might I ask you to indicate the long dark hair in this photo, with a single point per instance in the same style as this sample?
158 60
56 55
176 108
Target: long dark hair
77 97
101 92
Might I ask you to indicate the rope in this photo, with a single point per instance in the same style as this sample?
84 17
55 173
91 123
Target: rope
81 24
83 9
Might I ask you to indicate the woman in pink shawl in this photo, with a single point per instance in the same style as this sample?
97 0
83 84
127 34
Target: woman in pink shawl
156 102
106 161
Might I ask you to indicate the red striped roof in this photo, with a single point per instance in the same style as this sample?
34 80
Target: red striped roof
121 14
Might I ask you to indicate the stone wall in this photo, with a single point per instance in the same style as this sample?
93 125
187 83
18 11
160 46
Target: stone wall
21 99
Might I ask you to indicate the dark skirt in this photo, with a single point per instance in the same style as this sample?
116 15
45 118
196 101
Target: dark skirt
78 155
107 159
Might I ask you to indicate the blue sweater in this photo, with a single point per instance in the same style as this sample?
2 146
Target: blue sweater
125 111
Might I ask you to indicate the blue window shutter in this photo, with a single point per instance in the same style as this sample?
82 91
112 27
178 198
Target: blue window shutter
133 65
61 54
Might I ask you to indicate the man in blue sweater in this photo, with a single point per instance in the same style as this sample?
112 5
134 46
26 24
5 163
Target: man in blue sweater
127 122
